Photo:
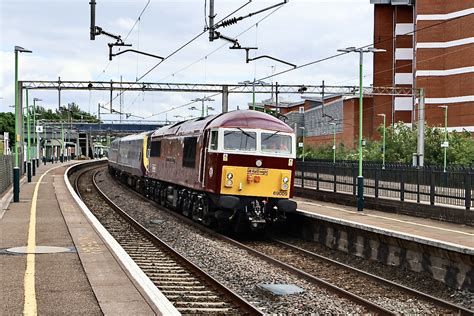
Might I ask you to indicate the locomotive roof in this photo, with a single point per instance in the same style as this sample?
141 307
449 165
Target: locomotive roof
250 119
239 118
134 136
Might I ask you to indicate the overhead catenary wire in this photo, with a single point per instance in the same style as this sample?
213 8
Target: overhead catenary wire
221 46
137 20
288 70
419 61
187 43
212 52
332 56
126 37
180 48
365 46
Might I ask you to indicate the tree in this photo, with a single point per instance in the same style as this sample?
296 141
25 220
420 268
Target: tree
71 112
401 143
7 124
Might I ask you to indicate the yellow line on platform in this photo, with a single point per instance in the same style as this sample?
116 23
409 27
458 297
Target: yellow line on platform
30 293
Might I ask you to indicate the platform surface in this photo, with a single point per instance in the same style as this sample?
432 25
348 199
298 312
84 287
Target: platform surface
440 234
86 279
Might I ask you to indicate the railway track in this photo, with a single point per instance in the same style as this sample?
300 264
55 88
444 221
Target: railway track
347 280
377 295
190 289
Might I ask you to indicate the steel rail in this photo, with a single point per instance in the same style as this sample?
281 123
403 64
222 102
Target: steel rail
439 302
343 293
240 302
373 307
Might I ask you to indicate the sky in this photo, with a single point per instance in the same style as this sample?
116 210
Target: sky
57 31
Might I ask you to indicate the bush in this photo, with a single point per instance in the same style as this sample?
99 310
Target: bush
401 143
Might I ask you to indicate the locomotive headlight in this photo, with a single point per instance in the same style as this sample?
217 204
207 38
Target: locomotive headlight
285 180
229 182
228 179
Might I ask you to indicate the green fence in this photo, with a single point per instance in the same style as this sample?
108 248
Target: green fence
6 172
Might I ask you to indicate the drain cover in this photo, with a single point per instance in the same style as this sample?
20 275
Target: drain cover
39 249
281 289
157 221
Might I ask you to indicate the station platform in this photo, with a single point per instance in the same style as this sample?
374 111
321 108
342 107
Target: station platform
435 233
443 250
53 261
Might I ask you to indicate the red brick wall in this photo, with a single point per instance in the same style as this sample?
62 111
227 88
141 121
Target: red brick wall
459 114
442 6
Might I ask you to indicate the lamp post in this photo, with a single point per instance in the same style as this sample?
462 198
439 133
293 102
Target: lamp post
445 145
360 177
202 100
28 142
209 108
383 141
62 143
16 169
183 117
253 83
36 132
303 132
333 142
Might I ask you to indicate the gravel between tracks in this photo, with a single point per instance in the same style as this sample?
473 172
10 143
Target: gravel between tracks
230 265
418 281
242 272
383 295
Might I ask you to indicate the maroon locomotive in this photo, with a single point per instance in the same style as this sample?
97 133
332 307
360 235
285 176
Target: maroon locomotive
236 167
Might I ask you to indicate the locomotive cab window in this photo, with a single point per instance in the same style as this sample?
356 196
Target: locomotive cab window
240 140
155 150
214 140
276 143
189 152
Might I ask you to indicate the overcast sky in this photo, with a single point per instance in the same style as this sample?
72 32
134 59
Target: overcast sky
57 31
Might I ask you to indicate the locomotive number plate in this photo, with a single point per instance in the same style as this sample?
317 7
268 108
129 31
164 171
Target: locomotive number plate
257 171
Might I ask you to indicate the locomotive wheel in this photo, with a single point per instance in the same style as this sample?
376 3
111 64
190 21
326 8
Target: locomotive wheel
196 211
207 218
187 205
163 197
156 194
200 211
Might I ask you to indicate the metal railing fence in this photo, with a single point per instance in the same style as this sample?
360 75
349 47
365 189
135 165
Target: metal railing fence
429 185
6 172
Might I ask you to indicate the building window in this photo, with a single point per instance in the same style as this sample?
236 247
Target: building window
301 110
155 150
189 152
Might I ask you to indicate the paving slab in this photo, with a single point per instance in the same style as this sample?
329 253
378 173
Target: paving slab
87 280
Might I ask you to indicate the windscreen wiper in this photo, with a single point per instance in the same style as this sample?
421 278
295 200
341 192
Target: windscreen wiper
247 134
268 137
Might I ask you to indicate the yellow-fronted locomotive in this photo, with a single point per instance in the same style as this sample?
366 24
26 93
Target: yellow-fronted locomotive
233 168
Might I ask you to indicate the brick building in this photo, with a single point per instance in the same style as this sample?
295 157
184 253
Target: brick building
429 44
317 117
